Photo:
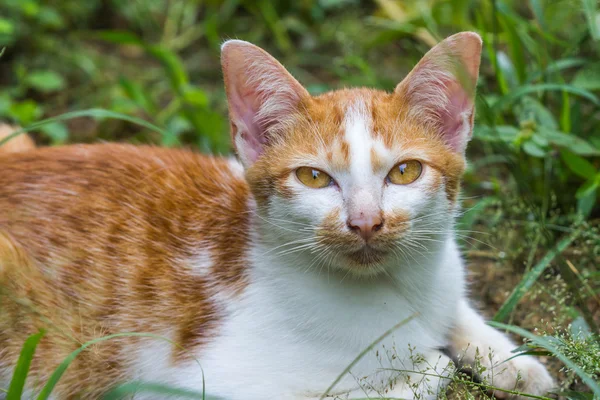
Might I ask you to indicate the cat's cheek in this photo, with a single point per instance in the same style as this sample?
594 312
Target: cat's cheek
412 199
309 204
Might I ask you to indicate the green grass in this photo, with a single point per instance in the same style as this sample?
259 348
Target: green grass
148 72
17 383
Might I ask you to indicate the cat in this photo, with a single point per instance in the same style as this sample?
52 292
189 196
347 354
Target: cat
272 273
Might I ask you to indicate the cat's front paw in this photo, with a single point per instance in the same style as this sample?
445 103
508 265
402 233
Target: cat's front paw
521 374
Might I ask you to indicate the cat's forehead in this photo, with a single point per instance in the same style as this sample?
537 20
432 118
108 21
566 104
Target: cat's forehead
358 130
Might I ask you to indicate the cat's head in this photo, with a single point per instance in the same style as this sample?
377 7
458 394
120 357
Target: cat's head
359 179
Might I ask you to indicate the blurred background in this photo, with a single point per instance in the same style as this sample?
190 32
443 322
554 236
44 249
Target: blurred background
147 71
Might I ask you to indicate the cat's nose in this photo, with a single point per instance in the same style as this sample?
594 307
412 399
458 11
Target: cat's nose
366 225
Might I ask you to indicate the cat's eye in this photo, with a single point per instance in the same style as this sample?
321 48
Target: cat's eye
313 178
406 172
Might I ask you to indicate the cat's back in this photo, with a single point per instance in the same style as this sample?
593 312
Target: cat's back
80 173
50 198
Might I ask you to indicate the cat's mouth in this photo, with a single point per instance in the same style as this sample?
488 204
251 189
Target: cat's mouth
367 256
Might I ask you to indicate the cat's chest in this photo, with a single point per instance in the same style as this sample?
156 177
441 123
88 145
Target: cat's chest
297 330
302 330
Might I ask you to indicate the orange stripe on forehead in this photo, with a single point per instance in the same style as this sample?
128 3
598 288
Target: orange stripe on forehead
341 155
377 160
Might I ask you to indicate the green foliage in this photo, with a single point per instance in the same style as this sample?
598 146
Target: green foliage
147 71
127 389
564 351
532 275
15 390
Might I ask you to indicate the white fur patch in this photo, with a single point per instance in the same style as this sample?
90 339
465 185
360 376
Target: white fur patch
357 127
202 262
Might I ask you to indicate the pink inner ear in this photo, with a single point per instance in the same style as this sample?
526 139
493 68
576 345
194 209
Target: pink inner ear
441 88
246 109
456 117
261 96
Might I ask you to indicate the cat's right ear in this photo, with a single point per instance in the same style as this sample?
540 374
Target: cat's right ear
261 94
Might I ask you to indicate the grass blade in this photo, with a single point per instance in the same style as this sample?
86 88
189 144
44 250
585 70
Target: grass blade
531 277
365 351
94 113
15 390
130 388
515 95
556 66
468 219
61 369
548 345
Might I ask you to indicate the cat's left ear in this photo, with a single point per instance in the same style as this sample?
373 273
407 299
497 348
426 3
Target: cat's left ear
440 90
262 97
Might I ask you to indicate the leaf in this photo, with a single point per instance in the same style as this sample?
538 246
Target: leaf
556 66
6 27
502 133
590 9
173 65
119 37
571 142
17 383
549 343
588 187
470 216
572 395
50 17
516 94
539 140
24 111
588 78
56 131
508 69
532 276
534 150
538 11
515 46
269 13
136 92
531 109
578 165
586 204
195 96
45 81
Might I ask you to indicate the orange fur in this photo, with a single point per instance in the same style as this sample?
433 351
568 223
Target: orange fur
110 230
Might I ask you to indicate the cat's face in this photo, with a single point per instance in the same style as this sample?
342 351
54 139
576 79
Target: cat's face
357 179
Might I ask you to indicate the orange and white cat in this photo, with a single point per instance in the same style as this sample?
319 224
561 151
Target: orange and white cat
273 273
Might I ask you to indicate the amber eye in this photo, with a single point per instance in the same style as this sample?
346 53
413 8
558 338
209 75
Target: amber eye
313 177
406 172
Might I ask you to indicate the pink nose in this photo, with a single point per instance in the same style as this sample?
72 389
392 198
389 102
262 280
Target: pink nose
366 225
